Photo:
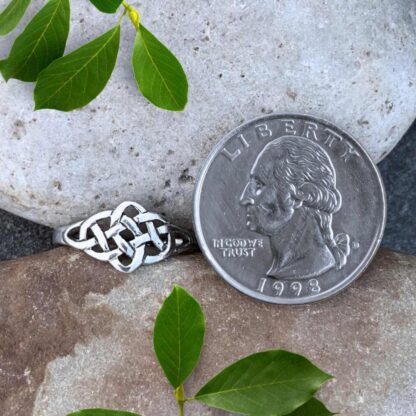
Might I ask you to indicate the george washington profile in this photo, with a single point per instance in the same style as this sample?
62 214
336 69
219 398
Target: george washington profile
291 197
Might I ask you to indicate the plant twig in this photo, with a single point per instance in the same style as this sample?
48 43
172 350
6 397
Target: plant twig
133 14
180 398
181 408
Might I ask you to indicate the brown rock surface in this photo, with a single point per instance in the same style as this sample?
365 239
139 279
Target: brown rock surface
75 333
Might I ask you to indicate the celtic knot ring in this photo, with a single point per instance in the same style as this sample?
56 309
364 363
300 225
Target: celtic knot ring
126 237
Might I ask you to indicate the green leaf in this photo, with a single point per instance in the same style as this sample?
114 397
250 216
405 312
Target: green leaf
266 383
107 6
312 407
179 335
77 78
102 412
42 41
158 73
11 15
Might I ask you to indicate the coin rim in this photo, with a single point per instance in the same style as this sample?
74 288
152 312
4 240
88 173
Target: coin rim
230 279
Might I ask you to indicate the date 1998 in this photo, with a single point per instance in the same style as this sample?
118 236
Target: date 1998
293 288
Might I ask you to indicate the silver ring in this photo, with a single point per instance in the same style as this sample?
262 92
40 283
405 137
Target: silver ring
126 237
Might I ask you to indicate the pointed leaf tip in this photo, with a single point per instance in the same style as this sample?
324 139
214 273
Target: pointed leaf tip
76 79
179 335
42 41
11 15
158 72
247 385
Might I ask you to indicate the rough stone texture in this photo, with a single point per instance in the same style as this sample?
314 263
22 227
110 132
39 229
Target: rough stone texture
350 62
77 334
19 237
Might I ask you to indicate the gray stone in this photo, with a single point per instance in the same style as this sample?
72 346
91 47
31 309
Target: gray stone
75 333
349 62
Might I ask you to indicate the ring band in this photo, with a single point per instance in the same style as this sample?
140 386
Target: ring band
126 237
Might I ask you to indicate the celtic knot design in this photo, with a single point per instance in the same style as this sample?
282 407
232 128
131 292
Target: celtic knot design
126 237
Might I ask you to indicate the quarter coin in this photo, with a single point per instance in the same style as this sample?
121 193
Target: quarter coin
289 209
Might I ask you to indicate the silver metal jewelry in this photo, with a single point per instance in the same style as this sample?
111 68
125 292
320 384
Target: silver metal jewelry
126 237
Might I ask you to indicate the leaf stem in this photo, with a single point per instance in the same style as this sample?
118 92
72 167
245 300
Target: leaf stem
122 16
180 398
181 408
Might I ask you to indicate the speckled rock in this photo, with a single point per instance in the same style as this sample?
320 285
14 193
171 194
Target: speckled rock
349 62
75 333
